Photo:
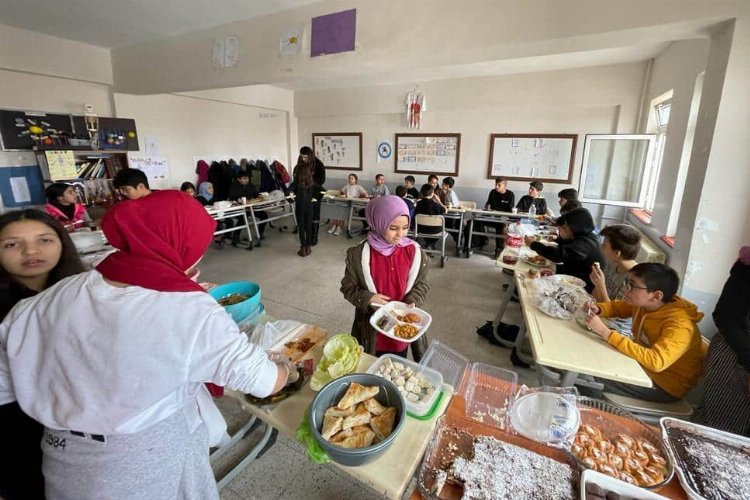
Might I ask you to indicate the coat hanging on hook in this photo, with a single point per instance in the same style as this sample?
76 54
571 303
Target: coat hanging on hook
415 106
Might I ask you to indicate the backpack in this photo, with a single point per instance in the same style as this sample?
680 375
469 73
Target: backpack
255 175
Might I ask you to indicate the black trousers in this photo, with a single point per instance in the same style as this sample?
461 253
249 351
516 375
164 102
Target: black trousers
305 224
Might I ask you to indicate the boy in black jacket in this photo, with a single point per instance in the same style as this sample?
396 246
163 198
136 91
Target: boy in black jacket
429 204
577 247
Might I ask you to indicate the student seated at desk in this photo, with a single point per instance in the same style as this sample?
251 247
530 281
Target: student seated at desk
402 192
188 188
351 190
131 183
499 200
433 181
379 189
411 191
666 338
429 204
62 204
241 188
535 189
577 247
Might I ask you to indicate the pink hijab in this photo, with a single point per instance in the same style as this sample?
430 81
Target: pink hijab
380 213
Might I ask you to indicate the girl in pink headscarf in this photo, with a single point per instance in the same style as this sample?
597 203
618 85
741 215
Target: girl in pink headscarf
387 266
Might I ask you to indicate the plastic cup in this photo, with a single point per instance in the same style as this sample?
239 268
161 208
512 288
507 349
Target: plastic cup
514 210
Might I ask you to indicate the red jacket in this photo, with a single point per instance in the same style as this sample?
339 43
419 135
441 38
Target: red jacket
79 214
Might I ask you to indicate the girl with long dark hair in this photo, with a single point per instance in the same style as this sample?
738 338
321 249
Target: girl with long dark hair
304 189
35 253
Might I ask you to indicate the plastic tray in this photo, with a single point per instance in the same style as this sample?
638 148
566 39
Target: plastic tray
611 420
454 437
546 417
390 309
489 391
422 408
452 365
610 484
671 427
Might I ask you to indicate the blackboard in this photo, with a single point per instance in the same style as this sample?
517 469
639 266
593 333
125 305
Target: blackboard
15 127
526 157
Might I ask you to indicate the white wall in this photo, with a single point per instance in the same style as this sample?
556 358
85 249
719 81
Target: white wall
188 127
590 100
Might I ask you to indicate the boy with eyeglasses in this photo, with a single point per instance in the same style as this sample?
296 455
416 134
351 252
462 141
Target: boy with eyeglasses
666 339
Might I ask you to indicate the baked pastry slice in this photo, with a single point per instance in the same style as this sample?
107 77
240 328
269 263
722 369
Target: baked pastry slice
360 417
337 438
362 437
356 393
374 407
335 412
331 425
383 424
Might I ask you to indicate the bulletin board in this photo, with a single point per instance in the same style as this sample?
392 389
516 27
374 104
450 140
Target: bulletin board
428 153
525 157
341 150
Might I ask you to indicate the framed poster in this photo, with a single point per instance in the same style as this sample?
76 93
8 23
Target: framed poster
428 153
526 157
340 150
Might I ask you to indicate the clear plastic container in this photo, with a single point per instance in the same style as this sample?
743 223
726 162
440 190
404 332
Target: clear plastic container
448 362
423 406
548 417
489 392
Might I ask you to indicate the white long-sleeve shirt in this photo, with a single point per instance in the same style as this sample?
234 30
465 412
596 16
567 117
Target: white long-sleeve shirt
91 357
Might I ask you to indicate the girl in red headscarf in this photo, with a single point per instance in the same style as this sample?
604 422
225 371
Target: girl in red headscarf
113 361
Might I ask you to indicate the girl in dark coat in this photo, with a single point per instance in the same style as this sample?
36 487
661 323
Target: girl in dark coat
306 193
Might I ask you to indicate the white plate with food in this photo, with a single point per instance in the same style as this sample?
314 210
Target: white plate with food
401 322
536 260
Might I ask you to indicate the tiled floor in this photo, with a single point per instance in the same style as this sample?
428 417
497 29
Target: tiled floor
462 296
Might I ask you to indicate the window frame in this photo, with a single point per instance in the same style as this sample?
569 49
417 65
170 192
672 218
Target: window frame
651 138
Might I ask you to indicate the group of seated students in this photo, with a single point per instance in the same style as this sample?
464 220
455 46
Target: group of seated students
240 189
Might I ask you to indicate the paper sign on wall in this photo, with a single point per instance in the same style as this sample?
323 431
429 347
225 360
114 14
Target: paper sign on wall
62 165
153 167
20 189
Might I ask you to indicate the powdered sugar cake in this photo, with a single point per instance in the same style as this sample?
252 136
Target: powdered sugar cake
446 471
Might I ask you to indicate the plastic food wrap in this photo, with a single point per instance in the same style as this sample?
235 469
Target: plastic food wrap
547 415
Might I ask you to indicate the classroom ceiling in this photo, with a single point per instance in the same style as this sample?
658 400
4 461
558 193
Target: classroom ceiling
118 23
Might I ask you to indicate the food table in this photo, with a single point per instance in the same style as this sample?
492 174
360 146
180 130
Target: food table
389 474
565 345
672 490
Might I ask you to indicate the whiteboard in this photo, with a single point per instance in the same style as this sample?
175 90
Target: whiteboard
340 150
543 157
428 153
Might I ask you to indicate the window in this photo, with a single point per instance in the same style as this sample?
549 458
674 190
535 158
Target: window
661 106
616 168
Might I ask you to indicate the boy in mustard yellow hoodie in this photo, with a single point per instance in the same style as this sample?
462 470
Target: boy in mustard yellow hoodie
666 339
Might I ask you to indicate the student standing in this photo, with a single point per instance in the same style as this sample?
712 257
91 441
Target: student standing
35 253
387 266
726 390
319 178
535 190
305 191
113 362
132 183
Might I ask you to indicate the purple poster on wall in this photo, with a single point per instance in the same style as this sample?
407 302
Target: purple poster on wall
333 33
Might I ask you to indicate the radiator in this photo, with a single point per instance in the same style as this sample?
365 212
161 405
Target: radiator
650 252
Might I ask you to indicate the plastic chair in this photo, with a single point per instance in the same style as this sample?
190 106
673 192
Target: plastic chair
651 412
432 221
